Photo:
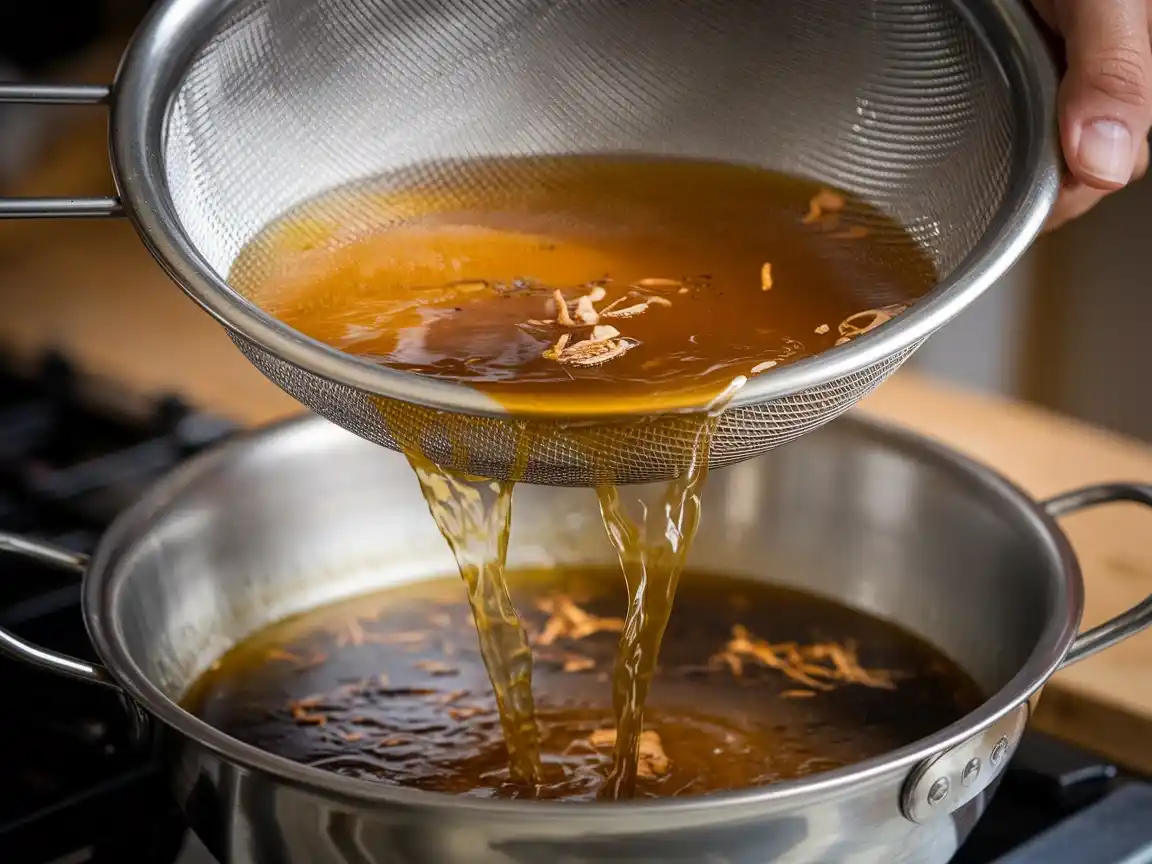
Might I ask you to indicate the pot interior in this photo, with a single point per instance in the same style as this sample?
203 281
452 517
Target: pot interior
306 513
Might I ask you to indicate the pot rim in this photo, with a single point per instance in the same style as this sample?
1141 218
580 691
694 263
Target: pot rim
102 581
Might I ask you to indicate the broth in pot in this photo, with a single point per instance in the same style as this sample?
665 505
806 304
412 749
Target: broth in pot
756 684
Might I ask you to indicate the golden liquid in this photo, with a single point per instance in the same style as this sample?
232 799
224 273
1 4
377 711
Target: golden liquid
444 280
652 550
391 686
474 515
723 271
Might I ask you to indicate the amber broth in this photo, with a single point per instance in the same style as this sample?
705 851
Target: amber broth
391 687
458 281
575 283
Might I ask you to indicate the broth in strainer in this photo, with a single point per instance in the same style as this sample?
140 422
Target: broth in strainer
696 273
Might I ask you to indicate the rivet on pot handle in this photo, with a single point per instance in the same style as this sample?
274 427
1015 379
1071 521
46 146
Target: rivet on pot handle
15 647
59 208
946 782
941 785
1139 616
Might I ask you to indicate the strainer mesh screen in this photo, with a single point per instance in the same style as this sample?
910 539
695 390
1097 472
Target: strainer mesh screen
899 101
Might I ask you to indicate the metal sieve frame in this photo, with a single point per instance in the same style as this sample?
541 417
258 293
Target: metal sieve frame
154 66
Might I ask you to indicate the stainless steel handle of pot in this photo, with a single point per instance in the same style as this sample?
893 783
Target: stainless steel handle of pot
947 781
18 648
57 208
1139 616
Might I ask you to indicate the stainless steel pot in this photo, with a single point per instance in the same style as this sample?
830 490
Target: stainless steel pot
305 513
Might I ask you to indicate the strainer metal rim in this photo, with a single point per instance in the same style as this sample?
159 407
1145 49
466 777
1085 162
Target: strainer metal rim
149 77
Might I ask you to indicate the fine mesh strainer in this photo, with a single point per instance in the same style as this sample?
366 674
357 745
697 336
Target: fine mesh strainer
226 113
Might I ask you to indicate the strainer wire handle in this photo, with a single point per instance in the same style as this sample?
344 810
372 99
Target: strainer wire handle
58 208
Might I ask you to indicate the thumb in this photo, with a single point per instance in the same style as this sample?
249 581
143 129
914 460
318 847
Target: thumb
1106 97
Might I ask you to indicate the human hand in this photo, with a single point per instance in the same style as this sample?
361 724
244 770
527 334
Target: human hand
1105 97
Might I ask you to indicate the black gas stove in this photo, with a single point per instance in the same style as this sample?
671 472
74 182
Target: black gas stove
73 453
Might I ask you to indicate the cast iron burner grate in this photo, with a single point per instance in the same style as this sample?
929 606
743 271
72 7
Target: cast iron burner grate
74 452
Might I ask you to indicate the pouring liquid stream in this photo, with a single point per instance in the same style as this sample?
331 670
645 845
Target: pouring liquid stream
475 516
652 552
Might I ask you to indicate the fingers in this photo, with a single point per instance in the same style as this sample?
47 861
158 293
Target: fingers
1142 160
1076 198
1106 96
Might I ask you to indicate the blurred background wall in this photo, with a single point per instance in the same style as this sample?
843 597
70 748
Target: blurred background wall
1071 326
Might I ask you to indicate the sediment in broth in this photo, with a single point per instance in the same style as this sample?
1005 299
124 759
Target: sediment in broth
568 284
756 684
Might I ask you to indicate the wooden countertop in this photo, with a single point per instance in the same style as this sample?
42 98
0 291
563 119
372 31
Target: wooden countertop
91 289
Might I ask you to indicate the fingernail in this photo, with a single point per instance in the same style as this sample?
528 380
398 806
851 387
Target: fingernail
1106 151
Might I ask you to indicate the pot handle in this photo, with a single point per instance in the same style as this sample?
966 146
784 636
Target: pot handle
60 208
19 649
1139 616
